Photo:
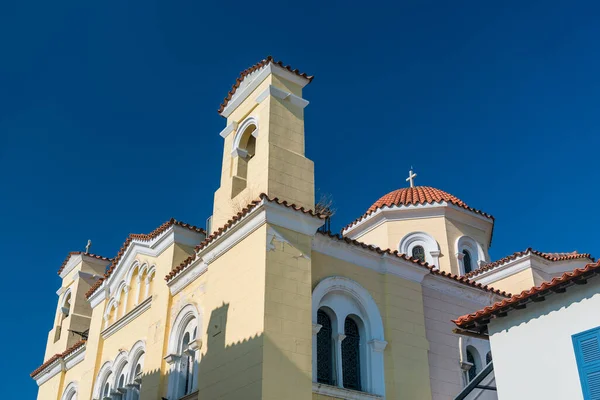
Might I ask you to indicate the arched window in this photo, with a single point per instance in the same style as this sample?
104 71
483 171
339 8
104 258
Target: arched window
351 355
471 359
467 261
244 148
184 352
348 348
418 252
324 349
70 392
488 357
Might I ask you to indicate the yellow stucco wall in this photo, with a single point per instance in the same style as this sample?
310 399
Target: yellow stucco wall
516 283
400 303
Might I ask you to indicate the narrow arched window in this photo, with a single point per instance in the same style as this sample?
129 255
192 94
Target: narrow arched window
106 392
473 370
467 261
324 349
351 355
488 357
187 365
418 252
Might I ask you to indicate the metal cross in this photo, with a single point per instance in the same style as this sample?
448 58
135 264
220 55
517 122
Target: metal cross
411 177
87 247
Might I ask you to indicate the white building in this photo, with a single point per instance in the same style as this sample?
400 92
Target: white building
545 341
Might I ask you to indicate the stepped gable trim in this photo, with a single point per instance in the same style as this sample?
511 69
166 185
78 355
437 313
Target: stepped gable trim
57 357
245 211
419 203
432 269
83 253
140 237
253 68
547 256
480 319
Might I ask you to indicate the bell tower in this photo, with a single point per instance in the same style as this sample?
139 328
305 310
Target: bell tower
263 148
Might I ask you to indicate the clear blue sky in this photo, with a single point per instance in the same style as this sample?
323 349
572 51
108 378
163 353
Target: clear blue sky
108 122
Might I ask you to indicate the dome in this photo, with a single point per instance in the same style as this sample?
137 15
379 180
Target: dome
420 195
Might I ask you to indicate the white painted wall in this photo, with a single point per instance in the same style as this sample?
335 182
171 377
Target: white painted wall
442 303
533 349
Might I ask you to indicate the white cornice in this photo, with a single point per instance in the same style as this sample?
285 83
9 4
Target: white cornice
342 393
282 95
152 248
499 272
127 318
228 129
60 365
76 259
415 211
265 212
256 79
98 296
74 358
382 263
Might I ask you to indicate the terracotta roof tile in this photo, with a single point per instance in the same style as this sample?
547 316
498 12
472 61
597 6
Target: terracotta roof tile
253 68
405 257
140 237
56 357
74 253
479 319
232 222
574 255
413 196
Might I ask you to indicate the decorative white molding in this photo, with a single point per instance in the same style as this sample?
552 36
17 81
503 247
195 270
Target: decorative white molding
429 244
342 393
50 372
504 271
385 264
74 358
76 259
187 276
195 345
252 81
70 392
228 129
316 328
378 345
243 126
264 212
127 318
282 95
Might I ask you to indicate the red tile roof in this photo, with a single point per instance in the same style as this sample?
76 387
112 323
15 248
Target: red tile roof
574 255
232 222
416 195
74 253
56 357
479 320
432 269
253 68
140 237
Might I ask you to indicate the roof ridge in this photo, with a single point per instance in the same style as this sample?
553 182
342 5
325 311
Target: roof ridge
255 67
546 288
141 237
547 256
432 269
242 213
57 356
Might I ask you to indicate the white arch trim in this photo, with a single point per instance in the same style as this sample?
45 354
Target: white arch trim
185 315
248 122
374 368
430 245
137 351
104 372
119 365
70 392
474 248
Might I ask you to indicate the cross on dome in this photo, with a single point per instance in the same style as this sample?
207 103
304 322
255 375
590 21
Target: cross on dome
411 177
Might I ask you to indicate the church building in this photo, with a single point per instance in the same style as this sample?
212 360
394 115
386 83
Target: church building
266 303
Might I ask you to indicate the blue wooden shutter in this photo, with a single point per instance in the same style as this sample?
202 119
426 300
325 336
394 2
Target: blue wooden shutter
587 354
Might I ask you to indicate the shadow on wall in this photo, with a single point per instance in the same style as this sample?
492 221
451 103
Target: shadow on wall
225 372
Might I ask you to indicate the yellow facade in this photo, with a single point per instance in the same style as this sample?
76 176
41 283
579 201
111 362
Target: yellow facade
233 316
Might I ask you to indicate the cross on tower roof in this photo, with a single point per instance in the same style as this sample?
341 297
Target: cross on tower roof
411 177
